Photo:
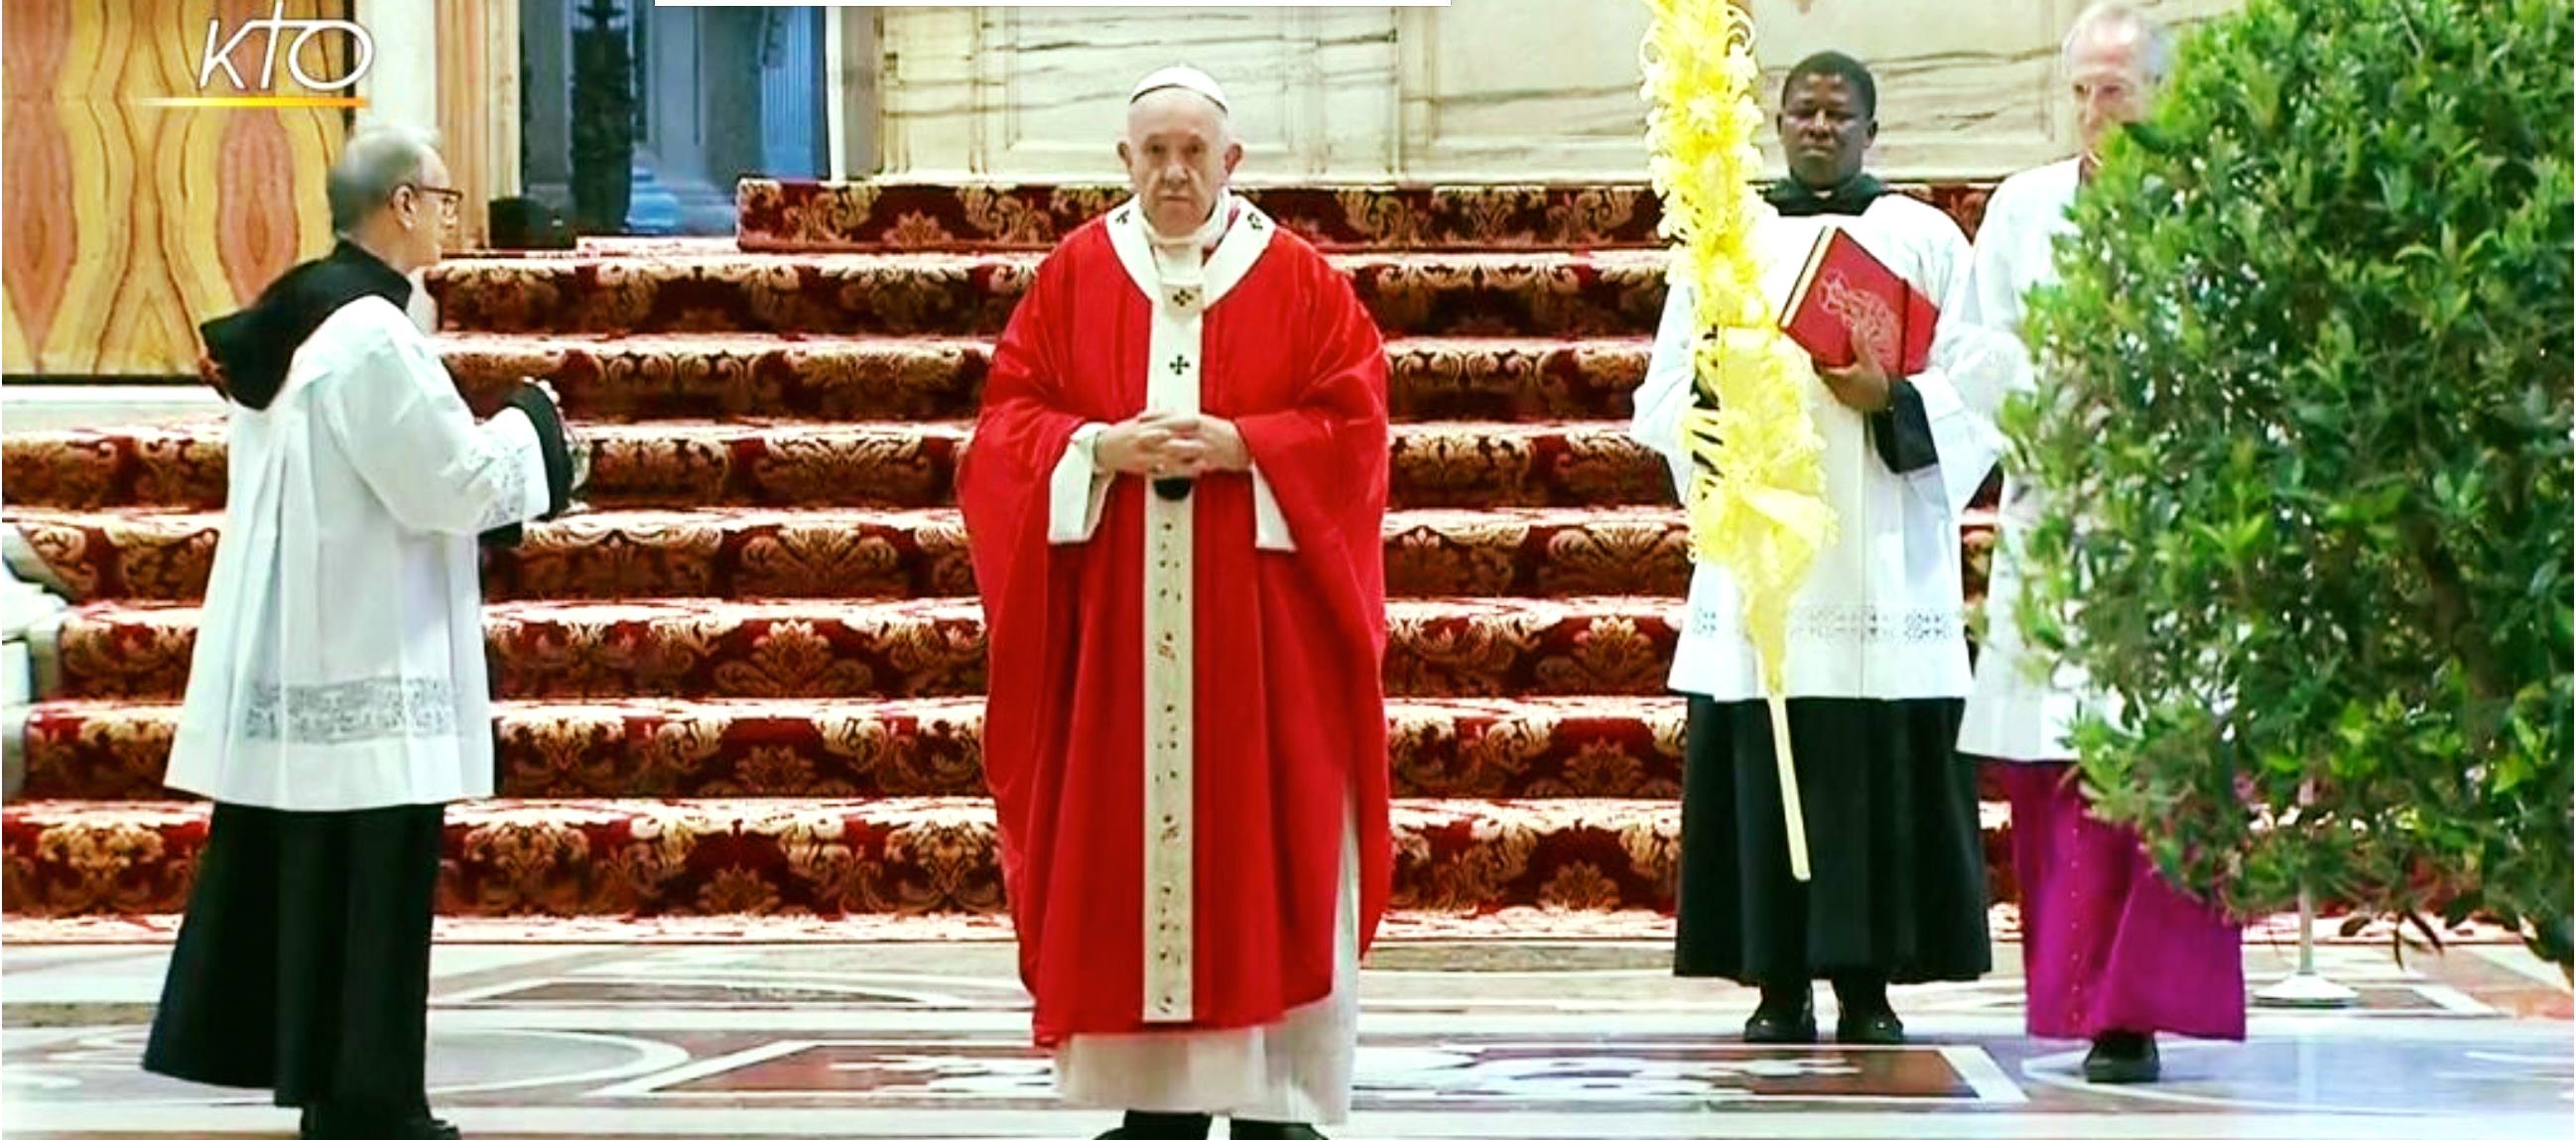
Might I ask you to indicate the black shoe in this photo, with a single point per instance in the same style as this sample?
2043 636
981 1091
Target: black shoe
1864 1017
330 1124
1161 1126
1787 1016
2122 1058
1869 1027
1264 1130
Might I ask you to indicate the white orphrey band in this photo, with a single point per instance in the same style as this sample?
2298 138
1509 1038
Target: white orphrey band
1180 286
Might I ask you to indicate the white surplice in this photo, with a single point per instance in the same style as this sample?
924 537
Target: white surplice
1880 615
2021 707
1299 1070
339 662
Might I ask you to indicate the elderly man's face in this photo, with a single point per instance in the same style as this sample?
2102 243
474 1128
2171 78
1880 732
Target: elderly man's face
1179 154
2107 76
427 207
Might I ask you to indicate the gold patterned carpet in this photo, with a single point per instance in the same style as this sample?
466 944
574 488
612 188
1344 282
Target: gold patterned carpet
748 682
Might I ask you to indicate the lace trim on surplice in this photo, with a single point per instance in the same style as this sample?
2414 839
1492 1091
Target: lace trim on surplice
378 708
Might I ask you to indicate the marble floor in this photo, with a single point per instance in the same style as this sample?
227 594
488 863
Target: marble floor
1509 1041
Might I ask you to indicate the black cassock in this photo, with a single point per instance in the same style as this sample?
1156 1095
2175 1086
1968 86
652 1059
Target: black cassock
303 966
1898 871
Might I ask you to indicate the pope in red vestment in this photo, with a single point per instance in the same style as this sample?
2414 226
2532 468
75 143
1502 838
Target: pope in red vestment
1174 496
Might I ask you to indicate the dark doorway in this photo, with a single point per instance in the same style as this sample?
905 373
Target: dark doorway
716 93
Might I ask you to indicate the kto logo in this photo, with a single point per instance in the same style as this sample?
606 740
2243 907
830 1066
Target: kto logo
218 60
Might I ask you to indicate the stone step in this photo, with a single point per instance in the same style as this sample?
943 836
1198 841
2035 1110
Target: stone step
852 378
1536 293
790 215
803 463
1537 748
809 216
842 553
695 649
735 856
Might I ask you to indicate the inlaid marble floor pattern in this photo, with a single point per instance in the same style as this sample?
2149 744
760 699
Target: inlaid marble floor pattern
1509 1041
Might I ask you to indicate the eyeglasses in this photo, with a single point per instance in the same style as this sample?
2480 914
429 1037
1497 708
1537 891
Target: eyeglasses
449 198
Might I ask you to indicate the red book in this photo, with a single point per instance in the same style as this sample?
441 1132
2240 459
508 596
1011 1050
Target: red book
1843 289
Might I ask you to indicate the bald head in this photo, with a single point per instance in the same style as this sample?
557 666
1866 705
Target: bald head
2115 57
1180 150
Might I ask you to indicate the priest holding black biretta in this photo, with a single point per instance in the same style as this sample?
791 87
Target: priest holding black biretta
1876 660
338 699
1174 497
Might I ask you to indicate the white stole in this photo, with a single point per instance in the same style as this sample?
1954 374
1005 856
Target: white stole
1181 288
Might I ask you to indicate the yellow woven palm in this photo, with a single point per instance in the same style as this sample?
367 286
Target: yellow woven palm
1756 503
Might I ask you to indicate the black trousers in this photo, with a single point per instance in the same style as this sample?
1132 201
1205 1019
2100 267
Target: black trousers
1898 886
303 963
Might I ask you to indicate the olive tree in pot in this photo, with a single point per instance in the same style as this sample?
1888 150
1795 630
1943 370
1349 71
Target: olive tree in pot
2306 417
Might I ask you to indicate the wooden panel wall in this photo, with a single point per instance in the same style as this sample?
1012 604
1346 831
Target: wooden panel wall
127 225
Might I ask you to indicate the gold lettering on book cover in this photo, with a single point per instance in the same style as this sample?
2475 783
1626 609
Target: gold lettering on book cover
1873 324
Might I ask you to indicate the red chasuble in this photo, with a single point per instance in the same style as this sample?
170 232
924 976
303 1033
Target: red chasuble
1182 720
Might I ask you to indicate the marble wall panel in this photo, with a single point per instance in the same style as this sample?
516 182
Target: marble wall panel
1524 88
1041 92
1480 89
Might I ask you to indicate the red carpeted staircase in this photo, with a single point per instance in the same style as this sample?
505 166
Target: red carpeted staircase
747 682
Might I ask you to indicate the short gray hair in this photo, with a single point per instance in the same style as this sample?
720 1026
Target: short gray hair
2155 41
375 161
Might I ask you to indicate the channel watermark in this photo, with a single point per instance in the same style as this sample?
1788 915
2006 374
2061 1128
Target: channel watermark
217 61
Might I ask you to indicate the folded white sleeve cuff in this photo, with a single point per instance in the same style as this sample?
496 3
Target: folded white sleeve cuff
1077 490
1968 446
518 434
1269 524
